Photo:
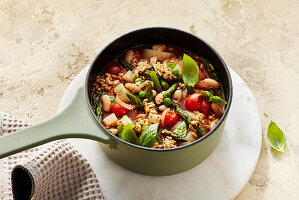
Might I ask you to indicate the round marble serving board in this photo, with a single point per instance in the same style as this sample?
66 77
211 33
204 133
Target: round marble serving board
221 176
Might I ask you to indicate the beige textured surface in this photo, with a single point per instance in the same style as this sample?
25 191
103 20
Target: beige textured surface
43 45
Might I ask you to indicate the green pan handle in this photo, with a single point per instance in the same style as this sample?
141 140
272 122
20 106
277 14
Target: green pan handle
75 121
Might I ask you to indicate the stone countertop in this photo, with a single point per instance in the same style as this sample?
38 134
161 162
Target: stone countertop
44 45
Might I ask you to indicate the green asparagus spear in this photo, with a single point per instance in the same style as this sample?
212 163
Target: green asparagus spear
156 81
159 139
149 92
125 64
135 100
99 112
186 118
170 90
208 67
190 90
164 85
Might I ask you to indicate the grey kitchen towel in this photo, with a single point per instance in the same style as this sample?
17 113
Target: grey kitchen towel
51 171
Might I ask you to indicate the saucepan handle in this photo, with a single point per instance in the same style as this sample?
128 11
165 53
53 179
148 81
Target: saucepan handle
75 121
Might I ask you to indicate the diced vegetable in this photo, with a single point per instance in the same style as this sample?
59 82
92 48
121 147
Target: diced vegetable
129 77
159 139
110 120
149 53
154 118
126 120
123 104
128 134
156 81
121 91
135 100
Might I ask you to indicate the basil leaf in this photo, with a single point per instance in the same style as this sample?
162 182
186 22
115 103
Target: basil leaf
276 137
128 134
181 130
190 71
214 99
120 129
148 136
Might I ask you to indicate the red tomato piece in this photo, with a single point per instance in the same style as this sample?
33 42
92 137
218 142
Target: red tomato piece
171 118
195 102
118 110
113 68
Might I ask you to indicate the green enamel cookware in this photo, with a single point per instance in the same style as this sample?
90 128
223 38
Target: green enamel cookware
79 121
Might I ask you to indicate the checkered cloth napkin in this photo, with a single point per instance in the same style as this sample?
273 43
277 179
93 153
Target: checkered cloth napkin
50 171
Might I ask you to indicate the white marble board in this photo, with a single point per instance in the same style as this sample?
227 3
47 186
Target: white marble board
221 176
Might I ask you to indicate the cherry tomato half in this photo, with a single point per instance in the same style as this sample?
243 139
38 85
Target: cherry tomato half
118 110
195 102
113 68
171 118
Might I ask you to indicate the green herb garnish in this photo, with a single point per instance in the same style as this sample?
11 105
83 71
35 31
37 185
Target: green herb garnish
148 136
214 99
276 137
190 72
128 134
181 130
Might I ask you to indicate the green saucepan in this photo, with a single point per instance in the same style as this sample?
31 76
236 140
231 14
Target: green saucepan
79 121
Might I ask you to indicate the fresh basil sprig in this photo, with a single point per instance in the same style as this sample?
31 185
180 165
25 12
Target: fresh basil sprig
181 130
214 99
148 135
276 137
190 71
128 134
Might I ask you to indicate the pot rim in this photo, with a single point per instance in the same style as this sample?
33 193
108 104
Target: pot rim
228 105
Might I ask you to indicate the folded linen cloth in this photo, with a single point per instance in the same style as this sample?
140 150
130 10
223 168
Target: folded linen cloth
50 171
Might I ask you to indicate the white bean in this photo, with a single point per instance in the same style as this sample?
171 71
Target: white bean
217 109
202 85
162 108
211 83
159 98
178 95
129 56
154 93
106 103
185 93
159 46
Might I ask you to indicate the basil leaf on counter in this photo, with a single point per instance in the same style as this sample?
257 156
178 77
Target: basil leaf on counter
214 99
190 71
181 130
128 134
148 135
276 137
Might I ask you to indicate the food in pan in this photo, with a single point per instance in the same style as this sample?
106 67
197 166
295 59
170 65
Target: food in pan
158 97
